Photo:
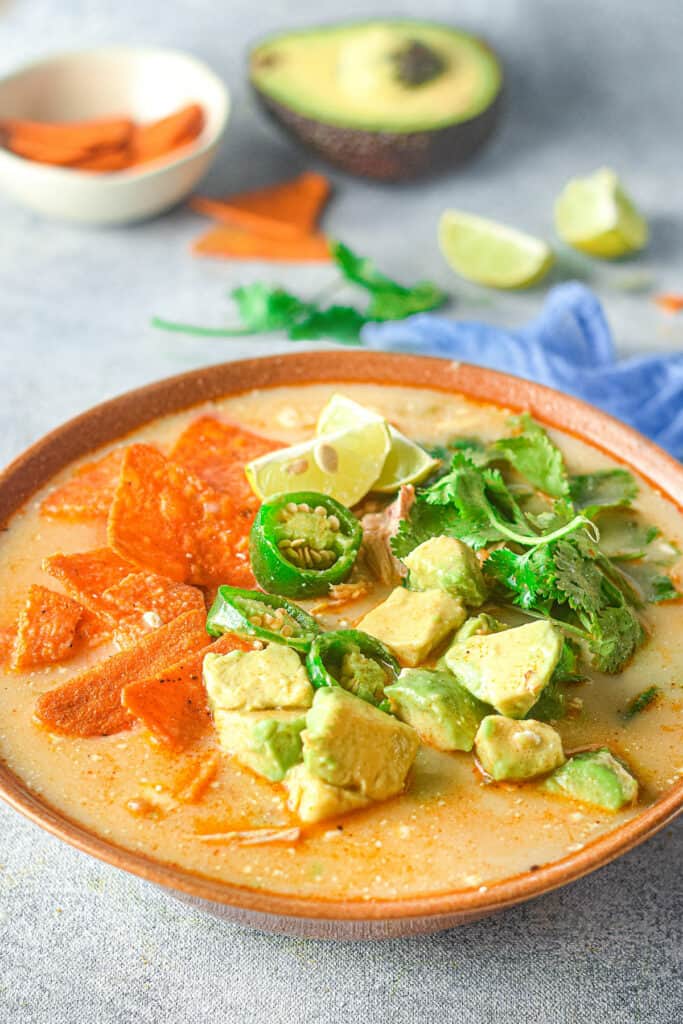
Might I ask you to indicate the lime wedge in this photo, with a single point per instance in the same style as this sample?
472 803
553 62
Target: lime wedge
492 254
595 215
406 462
344 465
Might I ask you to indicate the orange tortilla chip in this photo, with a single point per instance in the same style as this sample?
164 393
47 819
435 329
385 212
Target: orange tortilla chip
46 628
239 244
87 575
89 492
172 704
7 638
285 211
217 453
154 140
90 704
144 601
166 520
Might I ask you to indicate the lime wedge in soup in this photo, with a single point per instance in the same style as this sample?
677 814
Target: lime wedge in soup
596 216
406 462
492 254
344 464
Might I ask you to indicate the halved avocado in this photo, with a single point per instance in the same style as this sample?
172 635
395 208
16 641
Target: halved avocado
389 99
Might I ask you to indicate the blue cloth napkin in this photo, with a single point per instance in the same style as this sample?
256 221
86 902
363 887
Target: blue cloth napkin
569 347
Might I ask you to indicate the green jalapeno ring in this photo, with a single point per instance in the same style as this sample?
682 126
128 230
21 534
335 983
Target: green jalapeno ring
264 616
325 663
303 543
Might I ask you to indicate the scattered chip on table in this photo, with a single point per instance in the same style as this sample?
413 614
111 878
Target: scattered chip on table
46 628
90 703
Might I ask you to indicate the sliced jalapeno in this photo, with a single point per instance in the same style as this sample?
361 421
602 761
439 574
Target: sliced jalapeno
302 543
269 618
355 661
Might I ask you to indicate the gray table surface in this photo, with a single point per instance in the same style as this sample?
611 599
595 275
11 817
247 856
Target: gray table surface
589 84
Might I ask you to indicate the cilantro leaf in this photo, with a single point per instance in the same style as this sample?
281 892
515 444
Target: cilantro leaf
607 488
623 534
533 454
567 669
264 308
641 702
616 635
530 577
361 270
392 304
651 581
336 323
425 521
551 705
578 579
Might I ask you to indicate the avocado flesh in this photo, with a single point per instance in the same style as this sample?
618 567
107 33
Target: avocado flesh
595 777
383 99
443 713
511 750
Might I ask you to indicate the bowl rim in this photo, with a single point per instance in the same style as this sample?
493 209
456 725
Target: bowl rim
114 419
126 176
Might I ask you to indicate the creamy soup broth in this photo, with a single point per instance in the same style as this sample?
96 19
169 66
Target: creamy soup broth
449 830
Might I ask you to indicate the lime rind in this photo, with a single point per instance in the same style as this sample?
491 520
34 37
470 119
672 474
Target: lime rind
596 216
492 254
406 462
343 465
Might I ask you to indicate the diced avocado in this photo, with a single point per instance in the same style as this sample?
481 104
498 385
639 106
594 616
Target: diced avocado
444 563
257 680
509 749
442 712
388 98
313 800
594 777
412 622
268 742
349 743
480 625
363 676
509 669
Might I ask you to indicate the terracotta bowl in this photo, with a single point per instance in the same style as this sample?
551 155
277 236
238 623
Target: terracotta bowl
315 917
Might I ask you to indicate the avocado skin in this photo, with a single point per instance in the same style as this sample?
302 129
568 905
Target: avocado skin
386 156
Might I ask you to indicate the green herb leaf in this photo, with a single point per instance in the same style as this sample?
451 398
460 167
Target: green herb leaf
336 323
425 521
533 454
392 304
623 534
641 702
616 635
608 488
651 581
529 577
198 330
265 308
551 705
361 270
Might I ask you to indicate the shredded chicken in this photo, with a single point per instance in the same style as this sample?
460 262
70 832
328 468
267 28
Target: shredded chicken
378 529
251 837
342 593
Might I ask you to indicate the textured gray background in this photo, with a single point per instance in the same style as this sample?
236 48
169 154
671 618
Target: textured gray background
589 83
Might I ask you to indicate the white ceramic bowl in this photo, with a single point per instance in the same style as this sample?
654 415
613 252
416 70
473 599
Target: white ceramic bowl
142 83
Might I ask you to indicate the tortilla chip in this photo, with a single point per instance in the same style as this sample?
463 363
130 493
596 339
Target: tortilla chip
46 628
144 601
7 638
286 210
172 704
166 520
192 783
230 243
90 704
87 575
217 453
89 492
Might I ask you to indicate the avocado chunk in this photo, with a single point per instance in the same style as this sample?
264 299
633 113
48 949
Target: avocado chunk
313 800
508 669
509 749
444 563
480 625
594 777
267 742
413 622
256 680
442 712
349 743
388 99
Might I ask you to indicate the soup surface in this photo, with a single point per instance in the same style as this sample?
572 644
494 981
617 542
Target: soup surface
449 830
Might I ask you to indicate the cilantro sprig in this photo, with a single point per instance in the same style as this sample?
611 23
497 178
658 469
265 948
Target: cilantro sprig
544 530
265 308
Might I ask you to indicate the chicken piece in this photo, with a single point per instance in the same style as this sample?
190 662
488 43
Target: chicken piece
378 529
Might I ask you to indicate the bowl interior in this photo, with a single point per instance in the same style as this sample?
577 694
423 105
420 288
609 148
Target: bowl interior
145 84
